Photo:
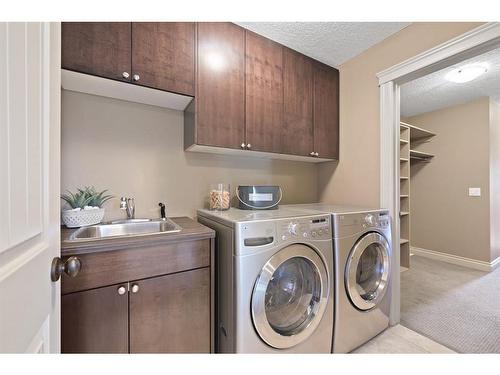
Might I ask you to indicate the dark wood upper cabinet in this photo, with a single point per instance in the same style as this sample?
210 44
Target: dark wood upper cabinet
163 55
326 111
220 92
97 48
263 93
297 132
95 321
249 92
171 314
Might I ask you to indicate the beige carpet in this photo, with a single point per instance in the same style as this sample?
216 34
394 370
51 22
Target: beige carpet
455 306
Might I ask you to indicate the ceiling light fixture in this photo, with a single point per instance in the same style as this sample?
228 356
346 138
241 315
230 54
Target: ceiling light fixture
466 73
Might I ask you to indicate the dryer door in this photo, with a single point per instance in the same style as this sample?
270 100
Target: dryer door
290 296
367 271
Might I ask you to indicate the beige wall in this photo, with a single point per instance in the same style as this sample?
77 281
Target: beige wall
443 217
495 179
106 129
137 150
355 180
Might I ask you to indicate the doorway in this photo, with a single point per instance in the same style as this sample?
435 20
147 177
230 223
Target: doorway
393 195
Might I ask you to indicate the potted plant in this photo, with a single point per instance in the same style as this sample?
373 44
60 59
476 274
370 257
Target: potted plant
86 207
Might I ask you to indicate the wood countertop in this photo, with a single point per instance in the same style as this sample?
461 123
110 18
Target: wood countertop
191 230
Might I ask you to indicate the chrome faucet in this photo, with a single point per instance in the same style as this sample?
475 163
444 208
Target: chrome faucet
128 205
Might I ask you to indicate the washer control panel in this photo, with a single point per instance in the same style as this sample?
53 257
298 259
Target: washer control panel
312 228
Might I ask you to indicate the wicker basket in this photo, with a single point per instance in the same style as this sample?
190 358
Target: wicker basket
82 218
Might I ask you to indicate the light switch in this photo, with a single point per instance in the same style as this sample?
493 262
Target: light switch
474 192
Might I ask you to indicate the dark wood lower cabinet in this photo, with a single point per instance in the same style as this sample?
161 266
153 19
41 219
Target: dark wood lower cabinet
171 314
95 321
164 314
134 295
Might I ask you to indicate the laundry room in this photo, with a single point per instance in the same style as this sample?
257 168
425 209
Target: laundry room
230 194
449 203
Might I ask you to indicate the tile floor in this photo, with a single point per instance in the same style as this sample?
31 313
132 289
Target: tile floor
399 339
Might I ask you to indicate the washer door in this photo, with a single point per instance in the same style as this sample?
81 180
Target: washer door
290 296
367 271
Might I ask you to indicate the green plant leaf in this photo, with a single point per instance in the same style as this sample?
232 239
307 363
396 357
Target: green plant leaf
87 196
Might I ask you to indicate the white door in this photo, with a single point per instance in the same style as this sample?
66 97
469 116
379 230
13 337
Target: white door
29 186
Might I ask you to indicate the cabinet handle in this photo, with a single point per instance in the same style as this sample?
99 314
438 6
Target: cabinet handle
243 145
316 154
135 288
312 153
136 77
122 290
125 75
249 146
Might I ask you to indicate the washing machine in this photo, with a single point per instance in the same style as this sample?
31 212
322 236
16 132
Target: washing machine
274 280
363 251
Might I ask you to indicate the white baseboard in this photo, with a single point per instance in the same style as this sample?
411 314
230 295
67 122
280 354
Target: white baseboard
495 263
458 260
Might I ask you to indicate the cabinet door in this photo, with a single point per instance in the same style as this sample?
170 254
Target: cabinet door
97 48
171 314
263 93
297 136
326 111
220 95
163 55
95 321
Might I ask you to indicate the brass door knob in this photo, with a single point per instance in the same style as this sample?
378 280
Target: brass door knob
71 267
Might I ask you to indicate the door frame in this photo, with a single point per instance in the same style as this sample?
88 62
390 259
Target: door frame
472 43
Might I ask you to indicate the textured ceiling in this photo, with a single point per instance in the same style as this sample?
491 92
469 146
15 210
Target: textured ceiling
433 91
332 43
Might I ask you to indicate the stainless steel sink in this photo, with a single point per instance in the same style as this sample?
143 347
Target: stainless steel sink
134 228
126 221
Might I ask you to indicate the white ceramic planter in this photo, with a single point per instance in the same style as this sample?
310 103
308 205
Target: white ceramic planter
82 218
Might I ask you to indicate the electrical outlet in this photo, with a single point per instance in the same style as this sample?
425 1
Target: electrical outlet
474 192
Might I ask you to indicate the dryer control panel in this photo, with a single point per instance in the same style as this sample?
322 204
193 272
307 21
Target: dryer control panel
351 223
375 220
311 228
